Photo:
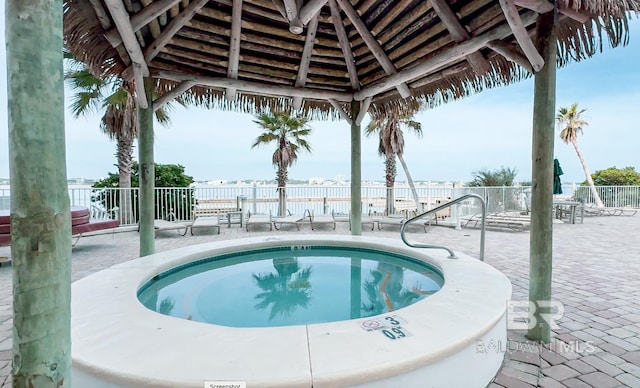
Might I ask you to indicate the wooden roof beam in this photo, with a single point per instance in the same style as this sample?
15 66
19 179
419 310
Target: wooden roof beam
363 110
344 45
256 87
295 25
311 9
280 7
373 45
141 19
511 53
522 36
121 19
459 34
102 15
234 46
173 93
544 6
441 58
341 111
303 70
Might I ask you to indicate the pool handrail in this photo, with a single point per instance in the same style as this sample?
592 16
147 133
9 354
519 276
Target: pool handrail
452 255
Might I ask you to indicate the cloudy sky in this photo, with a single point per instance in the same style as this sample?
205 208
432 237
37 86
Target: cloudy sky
484 131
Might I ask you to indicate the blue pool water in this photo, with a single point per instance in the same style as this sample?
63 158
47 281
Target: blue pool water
290 286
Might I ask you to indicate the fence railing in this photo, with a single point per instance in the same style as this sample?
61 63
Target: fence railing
180 202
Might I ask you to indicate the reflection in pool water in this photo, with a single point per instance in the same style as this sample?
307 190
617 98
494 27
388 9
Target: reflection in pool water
281 287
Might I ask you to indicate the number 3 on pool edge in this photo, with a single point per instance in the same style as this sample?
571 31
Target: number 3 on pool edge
392 321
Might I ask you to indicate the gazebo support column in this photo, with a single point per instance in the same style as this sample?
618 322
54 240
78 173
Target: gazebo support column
40 214
147 173
540 262
356 170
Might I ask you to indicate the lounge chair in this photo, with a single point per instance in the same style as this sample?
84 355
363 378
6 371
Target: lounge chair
365 219
259 219
320 219
161 225
291 219
208 221
391 219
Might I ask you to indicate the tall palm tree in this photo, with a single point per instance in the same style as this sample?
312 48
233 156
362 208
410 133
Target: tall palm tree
120 121
288 132
389 127
571 121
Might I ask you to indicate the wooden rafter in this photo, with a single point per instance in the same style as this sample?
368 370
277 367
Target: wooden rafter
303 69
459 34
521 34
234 46
311 9
280 7
511 53
176 24
363 110
373 45
443 57
102 15
544 6
141 19
344 45
255 87
121 19
173 93
341 111
291 7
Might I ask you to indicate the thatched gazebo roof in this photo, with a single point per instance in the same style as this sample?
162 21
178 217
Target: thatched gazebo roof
319 54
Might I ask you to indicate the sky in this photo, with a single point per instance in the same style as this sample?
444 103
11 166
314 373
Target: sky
484 131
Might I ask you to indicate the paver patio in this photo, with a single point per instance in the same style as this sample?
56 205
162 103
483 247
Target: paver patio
596 275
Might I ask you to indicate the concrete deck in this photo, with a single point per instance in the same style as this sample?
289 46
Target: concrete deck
596 276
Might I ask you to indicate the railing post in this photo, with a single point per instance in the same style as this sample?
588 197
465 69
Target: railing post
254 193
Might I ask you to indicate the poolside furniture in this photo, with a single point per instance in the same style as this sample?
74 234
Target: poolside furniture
162 225
510 221
391 219
569 208
365 219
81 222
206 221
320 219
291 219
259 219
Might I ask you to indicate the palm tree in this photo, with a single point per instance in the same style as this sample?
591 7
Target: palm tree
289 133
285 290
572 123
120 121
389 127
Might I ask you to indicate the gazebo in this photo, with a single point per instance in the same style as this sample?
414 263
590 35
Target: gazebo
335 59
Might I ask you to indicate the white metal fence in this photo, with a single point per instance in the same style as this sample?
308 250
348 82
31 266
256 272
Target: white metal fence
180 202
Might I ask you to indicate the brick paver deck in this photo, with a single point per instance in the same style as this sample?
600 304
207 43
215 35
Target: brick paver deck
596 274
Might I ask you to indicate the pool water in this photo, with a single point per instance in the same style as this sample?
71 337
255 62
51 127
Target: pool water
290 286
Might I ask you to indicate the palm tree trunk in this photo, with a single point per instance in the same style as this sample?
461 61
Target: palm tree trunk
125 157
596 196
40 214
411 185
390 179
282 191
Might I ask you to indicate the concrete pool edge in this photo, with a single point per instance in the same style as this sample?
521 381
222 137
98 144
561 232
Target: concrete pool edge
113 342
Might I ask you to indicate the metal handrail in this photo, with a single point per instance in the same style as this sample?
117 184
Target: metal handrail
444 206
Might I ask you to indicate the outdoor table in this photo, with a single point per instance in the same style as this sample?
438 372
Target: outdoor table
572 207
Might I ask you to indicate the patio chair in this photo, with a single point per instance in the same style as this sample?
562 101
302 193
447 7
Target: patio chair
391 219
161 225
291 219
206 221
259 219
320 219
365 219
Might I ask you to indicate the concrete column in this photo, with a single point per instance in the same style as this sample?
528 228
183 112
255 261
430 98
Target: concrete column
40 214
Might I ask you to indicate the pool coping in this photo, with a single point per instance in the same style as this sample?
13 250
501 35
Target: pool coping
111 342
